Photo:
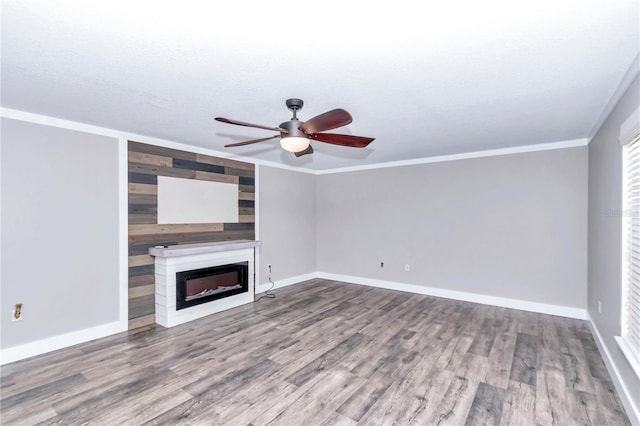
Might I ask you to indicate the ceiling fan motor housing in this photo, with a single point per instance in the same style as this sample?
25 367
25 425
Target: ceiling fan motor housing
293 129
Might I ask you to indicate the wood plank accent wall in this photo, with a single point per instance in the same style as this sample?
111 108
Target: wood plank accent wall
146 163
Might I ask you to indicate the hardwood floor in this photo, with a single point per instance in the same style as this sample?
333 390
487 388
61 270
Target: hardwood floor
326 353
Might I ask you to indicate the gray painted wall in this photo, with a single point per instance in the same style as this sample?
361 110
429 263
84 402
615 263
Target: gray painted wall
59 231
605 232
512 226
287 223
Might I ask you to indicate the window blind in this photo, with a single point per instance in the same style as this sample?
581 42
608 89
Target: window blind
631 238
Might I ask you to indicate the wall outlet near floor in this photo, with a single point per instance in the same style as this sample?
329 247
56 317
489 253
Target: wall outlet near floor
16 313
407 267
599 307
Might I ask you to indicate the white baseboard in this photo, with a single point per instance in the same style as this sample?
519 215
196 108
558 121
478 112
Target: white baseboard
261 288
542 308
27 350
630 405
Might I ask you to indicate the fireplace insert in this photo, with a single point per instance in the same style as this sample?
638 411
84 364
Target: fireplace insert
204 285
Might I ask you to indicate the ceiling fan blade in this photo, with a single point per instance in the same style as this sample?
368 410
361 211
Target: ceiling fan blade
344 140
327 121
242 123
251 141
309 150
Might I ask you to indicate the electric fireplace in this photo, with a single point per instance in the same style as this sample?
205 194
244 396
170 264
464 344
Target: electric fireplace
206 284
196 280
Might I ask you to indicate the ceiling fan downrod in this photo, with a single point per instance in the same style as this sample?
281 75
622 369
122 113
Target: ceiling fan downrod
294 106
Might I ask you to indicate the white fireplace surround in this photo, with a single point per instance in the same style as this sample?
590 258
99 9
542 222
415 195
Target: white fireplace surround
173 259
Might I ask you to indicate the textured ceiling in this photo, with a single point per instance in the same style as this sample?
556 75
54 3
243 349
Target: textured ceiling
424 78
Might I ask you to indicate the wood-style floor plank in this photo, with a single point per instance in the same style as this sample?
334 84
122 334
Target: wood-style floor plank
525 359
326 353
486 408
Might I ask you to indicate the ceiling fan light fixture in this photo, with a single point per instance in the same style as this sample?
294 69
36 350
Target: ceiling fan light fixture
294 143
295 135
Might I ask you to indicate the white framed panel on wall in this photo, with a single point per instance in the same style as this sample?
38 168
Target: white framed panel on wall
196 201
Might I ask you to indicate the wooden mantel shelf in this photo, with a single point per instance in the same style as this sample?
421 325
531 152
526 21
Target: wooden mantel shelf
191 249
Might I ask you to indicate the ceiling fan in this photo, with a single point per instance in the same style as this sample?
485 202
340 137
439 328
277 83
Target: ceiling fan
296 136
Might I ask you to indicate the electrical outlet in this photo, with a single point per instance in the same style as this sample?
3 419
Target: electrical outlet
407 267
16 313
599 307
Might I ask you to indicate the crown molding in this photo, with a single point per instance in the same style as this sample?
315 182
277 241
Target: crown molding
464 156
627 79
104 131
88 128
